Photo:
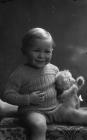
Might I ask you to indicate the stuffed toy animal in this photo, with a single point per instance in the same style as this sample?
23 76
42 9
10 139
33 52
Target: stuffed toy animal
68 88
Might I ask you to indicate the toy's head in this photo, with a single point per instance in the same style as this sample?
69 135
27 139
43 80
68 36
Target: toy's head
65 80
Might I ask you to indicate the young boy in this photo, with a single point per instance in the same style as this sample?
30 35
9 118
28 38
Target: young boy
32 85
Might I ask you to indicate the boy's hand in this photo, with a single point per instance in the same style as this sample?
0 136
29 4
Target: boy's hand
37 97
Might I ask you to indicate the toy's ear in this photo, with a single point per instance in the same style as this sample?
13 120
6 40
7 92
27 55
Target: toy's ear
80 81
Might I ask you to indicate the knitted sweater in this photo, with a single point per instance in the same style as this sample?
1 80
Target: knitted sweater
25 80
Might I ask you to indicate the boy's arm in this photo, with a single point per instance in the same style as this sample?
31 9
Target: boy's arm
13 97
12 93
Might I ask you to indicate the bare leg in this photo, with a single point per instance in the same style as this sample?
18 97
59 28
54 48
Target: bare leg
83 108
70 115
75 116
36 123
7 109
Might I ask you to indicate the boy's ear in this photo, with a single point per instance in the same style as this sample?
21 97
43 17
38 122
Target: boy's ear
23 51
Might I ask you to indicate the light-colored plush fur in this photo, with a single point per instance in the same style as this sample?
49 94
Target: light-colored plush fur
69 87
69 110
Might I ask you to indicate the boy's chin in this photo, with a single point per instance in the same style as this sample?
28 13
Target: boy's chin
39 66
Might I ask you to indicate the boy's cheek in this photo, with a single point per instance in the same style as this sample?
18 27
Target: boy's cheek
49 58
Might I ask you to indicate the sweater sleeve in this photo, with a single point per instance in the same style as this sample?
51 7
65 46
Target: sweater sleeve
12 89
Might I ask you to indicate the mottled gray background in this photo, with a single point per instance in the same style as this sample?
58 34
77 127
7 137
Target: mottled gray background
66 20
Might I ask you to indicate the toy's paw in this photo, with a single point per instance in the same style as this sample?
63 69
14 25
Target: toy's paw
80 98
74 87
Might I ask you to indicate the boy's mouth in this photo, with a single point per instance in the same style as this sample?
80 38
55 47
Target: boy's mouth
40 61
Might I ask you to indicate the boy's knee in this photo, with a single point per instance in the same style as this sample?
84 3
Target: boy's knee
37 121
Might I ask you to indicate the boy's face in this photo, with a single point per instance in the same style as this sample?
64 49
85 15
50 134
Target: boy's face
40 53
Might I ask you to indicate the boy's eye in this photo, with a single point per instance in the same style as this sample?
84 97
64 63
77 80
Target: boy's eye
48 52
36 50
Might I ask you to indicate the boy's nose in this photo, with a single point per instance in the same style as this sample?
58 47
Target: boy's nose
41 55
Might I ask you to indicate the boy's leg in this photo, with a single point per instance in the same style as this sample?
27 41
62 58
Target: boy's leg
83 108
76 116
70 115
7 110
36 124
